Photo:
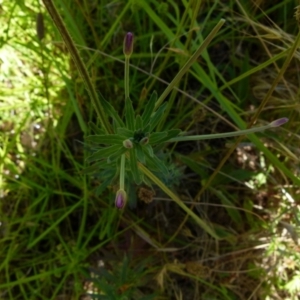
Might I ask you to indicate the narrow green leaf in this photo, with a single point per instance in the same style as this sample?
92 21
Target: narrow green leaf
155 138
125 132
90 169
105 139
173 133
110 110
54 224
156 164
105 183
140 154
133 166
156 117
149 149
129 114
147 181
100 165
103 153
198 168
151 165
147 129
96 129
116 155
149 109
138 123
115 125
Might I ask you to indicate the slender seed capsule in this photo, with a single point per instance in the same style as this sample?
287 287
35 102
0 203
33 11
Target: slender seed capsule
128 44
121 199
279 122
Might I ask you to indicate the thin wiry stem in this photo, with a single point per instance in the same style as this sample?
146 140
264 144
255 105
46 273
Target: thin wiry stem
122 172
267 97
126 77
273 124
79 63
189 63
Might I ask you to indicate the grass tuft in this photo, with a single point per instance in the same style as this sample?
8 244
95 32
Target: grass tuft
210 219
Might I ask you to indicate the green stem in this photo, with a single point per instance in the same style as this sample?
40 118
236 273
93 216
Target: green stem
188 64
219 135
122 172
126 77
79 63
266 99
176 199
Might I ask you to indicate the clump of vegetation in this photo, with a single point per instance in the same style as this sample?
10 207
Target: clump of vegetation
127 188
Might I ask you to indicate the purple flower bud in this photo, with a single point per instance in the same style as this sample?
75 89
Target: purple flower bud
279 122
121 199
128 44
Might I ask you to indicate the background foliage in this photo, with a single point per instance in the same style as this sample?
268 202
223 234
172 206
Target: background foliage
62 238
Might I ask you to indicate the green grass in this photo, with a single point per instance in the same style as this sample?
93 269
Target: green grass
221 224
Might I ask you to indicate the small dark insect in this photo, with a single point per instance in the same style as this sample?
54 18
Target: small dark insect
40 28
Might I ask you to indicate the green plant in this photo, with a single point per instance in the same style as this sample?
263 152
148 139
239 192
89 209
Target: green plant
211 218
132 139
120 283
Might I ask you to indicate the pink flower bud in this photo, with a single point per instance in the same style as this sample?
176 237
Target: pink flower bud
128 44
121 199
279 122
